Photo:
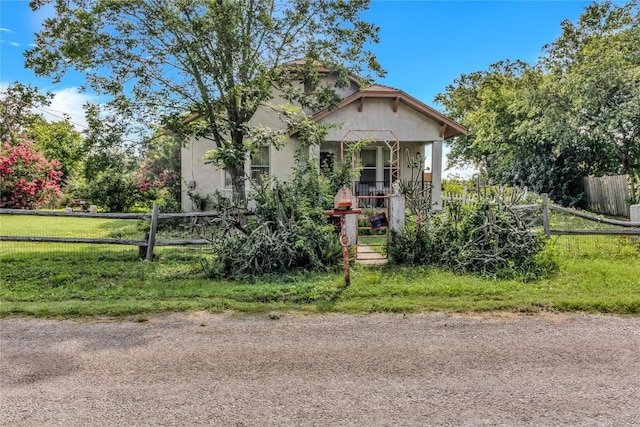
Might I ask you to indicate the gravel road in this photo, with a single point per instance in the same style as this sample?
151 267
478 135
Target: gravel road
376 370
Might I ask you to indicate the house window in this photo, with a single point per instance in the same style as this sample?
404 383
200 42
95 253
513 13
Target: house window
260 164
386 164
227 183
368 158
308 86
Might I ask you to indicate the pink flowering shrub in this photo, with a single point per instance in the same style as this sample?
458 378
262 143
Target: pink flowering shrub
27 179
158 183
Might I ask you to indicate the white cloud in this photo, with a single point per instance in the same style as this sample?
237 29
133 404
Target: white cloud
5 30
15 44
68 101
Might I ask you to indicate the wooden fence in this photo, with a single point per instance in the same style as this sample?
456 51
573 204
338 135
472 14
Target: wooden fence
634 227
545 207
145 245
608 195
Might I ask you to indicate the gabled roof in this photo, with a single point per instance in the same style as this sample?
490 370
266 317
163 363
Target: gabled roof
449 128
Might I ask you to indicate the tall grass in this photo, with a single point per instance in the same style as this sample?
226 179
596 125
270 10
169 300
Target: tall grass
74 281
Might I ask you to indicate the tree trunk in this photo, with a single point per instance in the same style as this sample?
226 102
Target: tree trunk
237 171
238 179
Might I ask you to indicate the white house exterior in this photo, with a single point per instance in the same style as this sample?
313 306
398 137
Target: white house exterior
396 125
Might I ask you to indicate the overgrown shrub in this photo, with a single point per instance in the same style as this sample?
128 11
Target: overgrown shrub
288 232
114 191
486 238
27 178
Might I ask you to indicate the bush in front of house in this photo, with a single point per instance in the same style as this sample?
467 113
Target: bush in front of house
486 238
288 231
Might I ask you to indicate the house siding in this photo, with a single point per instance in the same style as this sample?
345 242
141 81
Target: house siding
413 129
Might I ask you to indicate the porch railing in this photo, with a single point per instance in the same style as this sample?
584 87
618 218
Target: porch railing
377 188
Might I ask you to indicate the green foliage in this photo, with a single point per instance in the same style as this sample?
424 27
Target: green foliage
16 110
220 60
573 114
114 191
289 231
110 164
486 238
200 202
158 177
59 141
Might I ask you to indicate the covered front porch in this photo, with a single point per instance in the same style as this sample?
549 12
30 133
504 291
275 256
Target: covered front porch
383 159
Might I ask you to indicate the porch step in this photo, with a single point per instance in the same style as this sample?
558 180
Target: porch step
366 255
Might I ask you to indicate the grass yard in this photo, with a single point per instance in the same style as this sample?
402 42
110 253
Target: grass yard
44 280
32 225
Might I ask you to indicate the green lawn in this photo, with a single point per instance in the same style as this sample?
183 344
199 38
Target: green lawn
59 226
43 280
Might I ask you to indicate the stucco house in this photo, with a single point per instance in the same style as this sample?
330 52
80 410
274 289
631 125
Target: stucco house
396 125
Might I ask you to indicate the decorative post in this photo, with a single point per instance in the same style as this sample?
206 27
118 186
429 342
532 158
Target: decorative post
342 208
344 241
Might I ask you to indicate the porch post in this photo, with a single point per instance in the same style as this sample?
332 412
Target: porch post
352 224
397 206
436 174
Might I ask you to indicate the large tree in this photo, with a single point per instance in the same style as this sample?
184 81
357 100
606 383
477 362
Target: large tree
17 105
59 141
219 59
21 119
575 113
597 63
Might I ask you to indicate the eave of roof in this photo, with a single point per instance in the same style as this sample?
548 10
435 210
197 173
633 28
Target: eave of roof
451 128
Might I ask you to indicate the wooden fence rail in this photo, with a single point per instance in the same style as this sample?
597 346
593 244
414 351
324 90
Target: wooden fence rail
545 207
147 244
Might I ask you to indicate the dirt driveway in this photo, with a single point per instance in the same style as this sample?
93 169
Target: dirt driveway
431 369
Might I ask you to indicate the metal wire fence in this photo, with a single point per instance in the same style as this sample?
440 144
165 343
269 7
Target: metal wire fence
129 235
91 236
596 246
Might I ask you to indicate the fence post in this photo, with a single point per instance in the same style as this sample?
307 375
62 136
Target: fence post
545 215
152 231
635 217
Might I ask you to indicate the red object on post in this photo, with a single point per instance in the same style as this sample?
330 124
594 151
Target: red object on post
342 208
343 199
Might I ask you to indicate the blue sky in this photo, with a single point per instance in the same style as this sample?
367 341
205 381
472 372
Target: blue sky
424 44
